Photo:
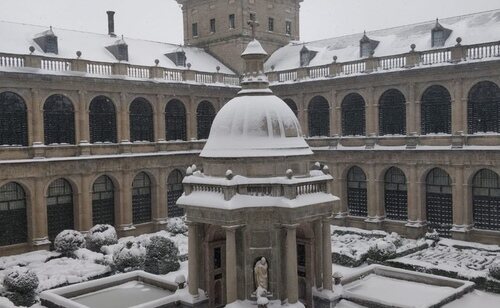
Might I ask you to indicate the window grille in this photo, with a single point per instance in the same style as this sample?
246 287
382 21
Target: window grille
353 115
174 191
395 195
59 120
439 201
175 120
436 111
319 117
232 23
486 200
103 201
13 120
212 25
102 120
141 199
205 115
194 29
13 217
270 24
141 121
392 113
59 208
483 108
356 192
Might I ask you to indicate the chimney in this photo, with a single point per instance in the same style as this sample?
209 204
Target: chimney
111 23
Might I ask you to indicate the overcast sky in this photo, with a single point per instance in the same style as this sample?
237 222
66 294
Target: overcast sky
161 20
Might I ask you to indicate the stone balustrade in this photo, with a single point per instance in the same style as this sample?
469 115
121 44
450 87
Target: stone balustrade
452 55
115 69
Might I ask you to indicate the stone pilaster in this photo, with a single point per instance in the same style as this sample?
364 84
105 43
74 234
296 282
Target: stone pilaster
160 118
327 254
318 253
40 238
292 279
85 221
83 119
125 207
231 270
124 119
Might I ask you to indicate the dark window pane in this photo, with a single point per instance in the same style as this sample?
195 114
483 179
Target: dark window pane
319 117
141 199
141 121
102 120
353 115
13 217
59 120
13 120
439 202
205 115
483 108
175 120
436 111
59 207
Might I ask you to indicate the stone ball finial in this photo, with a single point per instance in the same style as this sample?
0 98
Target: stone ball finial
317 166
217 68
193 166
413 46
180 280
289 173
157 62
335 59
459 41
337 277
188 65
32 49
78 54
229 174
189 171
326 169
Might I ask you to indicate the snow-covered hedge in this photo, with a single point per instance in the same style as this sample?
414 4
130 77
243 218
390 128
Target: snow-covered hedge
68 241
21 284
494 270
161 256
101 235
129 256
382 249
176 225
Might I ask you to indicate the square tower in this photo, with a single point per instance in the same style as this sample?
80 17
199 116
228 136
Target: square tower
222 26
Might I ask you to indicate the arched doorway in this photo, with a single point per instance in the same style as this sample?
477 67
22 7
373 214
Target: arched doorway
395 195
356 192
141 199
13 219
103 201
59 207
439 201
174 191
486 200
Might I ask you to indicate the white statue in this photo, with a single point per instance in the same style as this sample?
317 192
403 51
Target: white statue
260 274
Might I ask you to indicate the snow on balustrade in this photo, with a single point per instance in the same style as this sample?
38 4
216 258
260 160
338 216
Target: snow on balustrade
287 76
138 72
435 57
9 61
204 78
311 188
318 72
99 69
172 75
392 62
354 67
483 51
208 188
232 80
260 190
56 65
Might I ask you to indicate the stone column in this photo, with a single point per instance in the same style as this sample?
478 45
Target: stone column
160 205
292 279
85 220
83 118
39 236
193 264
411 117
458 108
125 209
38 129
160 118
191 119
327 255
124 119
318 252
231 270
334 115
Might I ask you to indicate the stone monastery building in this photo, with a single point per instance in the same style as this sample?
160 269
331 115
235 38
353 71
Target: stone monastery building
100 128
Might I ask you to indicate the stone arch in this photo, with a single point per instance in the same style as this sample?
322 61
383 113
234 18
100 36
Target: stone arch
392 113
436 110
59 120
439 201
175 120
174 190
13 119
141 120
142 198
395 194
319 116
483 108
60 198
353 115
486 200
205 115
103 200
102 120
13 214
357 204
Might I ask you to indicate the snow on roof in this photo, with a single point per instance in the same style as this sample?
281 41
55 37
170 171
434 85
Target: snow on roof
16 38
255 125
473 29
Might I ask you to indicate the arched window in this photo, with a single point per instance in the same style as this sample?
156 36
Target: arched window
175 120
141 199
102 120
483 108
59 207
59 120
486 200
436 111
319 117
395 195
13 221
141 121
292 106
353 115
103 201
205 114
439 201
13 120
356 192
392 113
174 191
